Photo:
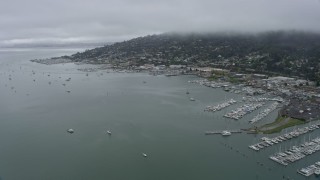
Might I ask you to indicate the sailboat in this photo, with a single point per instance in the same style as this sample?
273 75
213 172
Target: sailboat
225 132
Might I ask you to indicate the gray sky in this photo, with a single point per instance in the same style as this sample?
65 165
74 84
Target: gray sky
65 21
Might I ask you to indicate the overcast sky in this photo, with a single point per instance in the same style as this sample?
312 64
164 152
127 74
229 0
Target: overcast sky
64 21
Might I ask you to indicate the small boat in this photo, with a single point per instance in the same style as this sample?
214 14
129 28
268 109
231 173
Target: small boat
144 155
70 131
192 99
225 133
109 132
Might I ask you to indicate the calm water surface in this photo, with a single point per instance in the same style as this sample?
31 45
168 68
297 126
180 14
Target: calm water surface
155 117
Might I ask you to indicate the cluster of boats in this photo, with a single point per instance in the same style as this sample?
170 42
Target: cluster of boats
211 84
296 152
263 99
220 106
252 91
243 110
312 169
266 142
265 112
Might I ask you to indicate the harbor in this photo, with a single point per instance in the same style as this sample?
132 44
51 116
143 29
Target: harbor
40 111
296 153
310 170
243 110
220 106
267 142
264 113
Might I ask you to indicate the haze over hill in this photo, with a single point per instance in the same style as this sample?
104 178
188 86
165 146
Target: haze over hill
54 22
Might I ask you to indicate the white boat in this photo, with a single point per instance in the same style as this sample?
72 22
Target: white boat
307 171
225 133
144 155
109 132
192 99
70 131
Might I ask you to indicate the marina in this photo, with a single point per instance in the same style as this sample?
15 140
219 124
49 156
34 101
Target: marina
266 142
265 112
220 106
243 110
296 153
310 170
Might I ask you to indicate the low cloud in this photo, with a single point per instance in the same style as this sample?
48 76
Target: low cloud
61 21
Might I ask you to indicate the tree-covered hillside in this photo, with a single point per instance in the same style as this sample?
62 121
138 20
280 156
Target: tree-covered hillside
287 53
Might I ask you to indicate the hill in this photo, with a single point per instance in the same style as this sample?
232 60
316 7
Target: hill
286 53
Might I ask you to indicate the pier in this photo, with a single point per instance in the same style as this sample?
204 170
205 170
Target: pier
221 131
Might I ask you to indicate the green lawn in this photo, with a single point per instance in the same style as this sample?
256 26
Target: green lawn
279 124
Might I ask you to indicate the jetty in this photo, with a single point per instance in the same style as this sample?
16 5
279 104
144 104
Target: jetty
221 131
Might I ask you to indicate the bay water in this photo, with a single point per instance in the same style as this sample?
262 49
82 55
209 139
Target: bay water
145 113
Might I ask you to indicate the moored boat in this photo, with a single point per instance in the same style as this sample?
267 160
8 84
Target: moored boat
70 131
144 155
109 132
225 133
317 172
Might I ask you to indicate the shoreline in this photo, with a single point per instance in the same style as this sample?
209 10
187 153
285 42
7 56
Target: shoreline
213 81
